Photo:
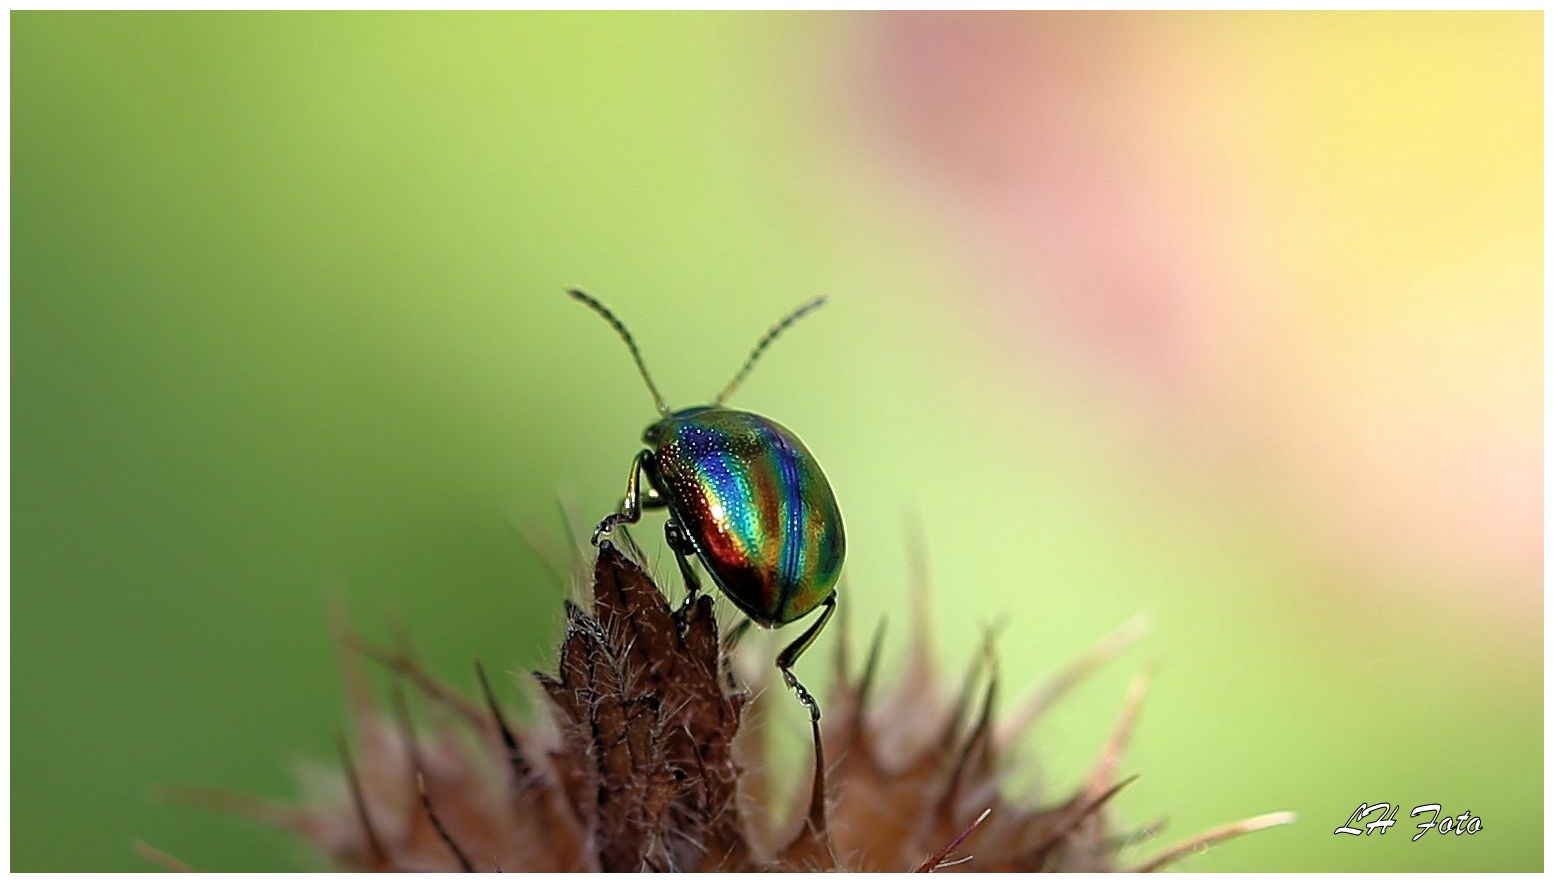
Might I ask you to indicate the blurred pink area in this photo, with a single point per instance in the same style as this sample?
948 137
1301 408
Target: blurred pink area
1302 251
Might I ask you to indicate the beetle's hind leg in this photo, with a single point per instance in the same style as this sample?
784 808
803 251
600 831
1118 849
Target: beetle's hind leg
630 511
793 651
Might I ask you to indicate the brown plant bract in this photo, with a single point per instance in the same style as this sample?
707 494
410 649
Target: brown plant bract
645 767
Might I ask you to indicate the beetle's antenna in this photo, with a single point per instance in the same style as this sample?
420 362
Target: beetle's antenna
631 344
763 343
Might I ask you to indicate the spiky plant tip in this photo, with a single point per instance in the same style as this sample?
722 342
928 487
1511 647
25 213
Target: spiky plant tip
650 760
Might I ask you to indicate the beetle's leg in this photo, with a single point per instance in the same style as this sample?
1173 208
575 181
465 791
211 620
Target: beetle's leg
682 551
793 651
649 498
630 511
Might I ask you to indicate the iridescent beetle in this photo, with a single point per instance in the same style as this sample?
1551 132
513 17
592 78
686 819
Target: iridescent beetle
747 498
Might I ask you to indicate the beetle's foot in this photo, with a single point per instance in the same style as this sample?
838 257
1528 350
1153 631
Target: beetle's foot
684 609
803 694
605 526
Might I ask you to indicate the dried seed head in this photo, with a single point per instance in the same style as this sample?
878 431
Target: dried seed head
644 765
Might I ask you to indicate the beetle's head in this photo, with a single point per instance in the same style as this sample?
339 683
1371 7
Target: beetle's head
659 431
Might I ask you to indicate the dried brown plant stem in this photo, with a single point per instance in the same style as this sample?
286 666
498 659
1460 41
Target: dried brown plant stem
651 760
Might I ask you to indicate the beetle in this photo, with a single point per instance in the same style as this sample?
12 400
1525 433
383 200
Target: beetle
746 498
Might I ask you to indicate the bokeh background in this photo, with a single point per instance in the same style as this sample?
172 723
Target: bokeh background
1230 319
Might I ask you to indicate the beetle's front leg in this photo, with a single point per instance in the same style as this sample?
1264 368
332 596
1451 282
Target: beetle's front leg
796 649
630 511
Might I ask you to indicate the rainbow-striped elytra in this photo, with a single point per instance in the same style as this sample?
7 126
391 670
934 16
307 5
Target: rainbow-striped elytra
753 501
745 497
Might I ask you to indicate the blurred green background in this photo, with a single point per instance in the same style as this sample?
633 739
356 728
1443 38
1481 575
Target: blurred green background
1231 319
